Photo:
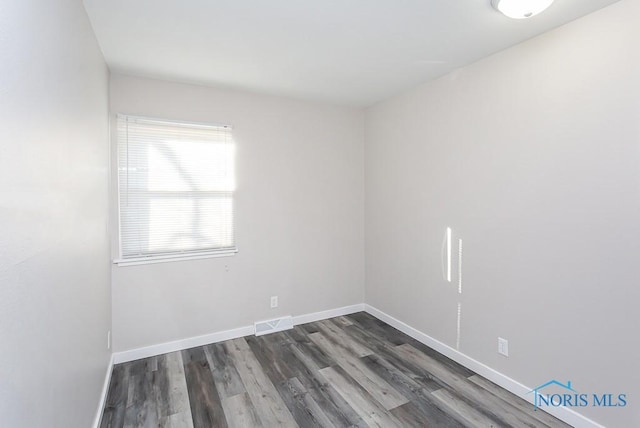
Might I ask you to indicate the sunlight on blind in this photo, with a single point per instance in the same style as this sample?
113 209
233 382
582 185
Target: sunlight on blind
176 184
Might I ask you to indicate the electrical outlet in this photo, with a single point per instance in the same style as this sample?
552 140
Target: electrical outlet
274 302
109 339
503 347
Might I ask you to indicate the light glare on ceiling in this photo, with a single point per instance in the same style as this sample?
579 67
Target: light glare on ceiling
521 9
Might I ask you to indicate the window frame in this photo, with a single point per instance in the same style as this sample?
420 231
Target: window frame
167 257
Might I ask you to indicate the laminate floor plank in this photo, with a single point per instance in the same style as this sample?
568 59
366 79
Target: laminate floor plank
390 357
369 380
421 404
282 366
377 328
264 396
409 416
116 402
225 374
504 413
334 406
270 358
429 409
342 321
142 365
331 402
337 335
160 388
153 362
309 349
309 328
348 371
177 397
177 420
517 402
302 406
141 411
465 413
394 377
240 411
369 409
423 413
299 364
206 407
373 325
443 360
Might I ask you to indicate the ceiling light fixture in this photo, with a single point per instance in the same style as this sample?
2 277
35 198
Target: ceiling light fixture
521 9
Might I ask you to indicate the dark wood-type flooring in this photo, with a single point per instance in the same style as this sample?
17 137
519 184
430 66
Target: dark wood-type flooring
351 371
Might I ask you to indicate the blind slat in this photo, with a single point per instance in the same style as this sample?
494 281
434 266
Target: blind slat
176 185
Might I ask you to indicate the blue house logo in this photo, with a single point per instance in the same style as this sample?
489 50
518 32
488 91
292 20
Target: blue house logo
569 397
546 399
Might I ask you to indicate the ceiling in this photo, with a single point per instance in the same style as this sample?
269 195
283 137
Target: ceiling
351 52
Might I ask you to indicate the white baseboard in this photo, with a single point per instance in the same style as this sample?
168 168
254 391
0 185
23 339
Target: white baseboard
179 345
565 414
191 342
103 394
323 315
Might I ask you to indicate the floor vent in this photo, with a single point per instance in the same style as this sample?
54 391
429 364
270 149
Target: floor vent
272 326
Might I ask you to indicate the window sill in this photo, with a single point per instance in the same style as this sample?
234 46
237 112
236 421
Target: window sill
172 258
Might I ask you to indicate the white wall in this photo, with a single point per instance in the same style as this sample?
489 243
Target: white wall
299 217
532 156
54 246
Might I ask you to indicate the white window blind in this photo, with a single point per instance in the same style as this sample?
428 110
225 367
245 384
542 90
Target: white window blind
176 184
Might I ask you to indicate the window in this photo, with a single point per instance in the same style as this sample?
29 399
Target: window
175 189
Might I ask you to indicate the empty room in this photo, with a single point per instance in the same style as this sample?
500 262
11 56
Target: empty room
243 213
